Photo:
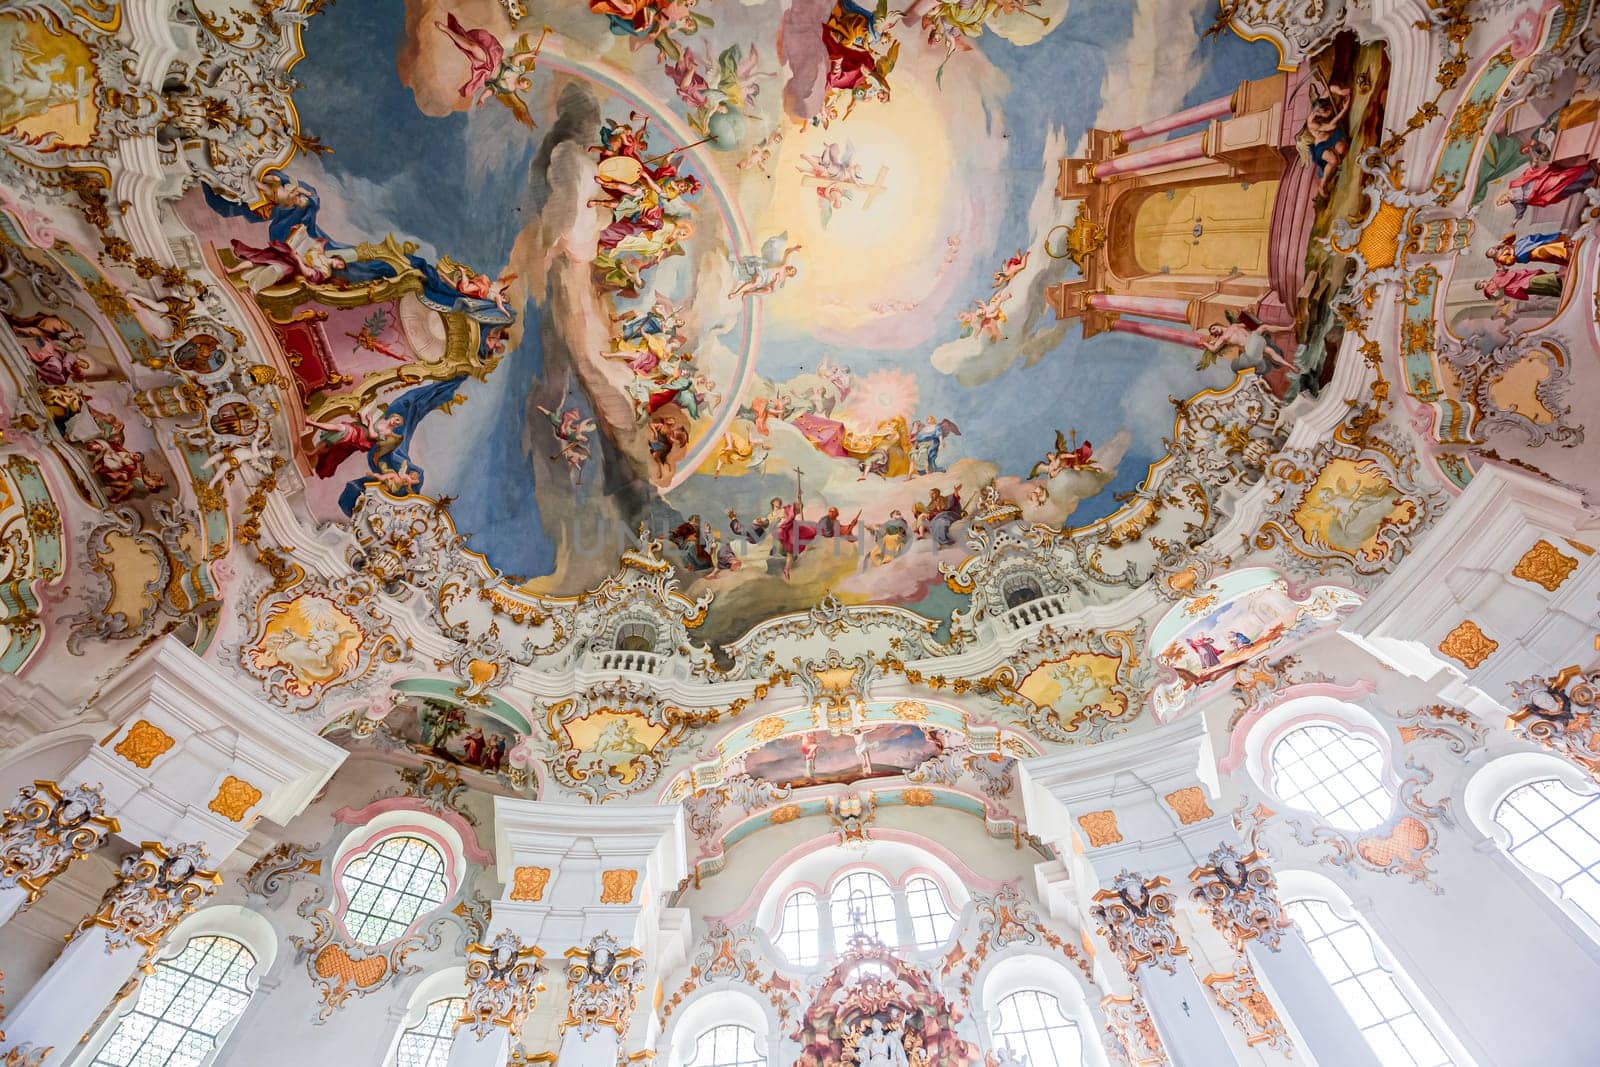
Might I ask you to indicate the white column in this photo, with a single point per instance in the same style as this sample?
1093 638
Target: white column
1132 816
1237 892
42 833
1181 1009
155 888
191 756
192 761
1316 1019
492 1048
1136 919
582 885
904 932
826 947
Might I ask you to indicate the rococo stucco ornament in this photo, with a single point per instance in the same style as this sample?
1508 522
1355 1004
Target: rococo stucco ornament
155 887
603 980
1136 918
502 984
1240 895
46 829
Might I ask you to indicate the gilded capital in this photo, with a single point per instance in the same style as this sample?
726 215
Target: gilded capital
603 982
1240 896
503 983
155 887
1135 918
46 829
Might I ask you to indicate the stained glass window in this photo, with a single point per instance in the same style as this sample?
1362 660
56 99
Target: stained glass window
183 1006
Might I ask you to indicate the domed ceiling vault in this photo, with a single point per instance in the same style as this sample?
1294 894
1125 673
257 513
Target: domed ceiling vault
649 400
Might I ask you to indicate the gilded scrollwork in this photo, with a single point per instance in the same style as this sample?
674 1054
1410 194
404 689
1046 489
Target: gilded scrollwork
340 967
1240 895
1132 1032
1357 508
1136 919
603 983
155 887
280 867
1558 714
1239 994
503 983
46 829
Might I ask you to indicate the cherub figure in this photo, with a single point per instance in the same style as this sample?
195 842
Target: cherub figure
572 430
469 282
1013 267
491 71
985 318
1068 455
1323 142
397 482
766 273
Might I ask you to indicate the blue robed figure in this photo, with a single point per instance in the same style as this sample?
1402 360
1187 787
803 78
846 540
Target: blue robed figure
390 459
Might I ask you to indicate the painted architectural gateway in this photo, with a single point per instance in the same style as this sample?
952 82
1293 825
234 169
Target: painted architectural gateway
790 533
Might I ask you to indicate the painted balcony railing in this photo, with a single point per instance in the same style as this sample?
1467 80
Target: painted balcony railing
1041 609
639 662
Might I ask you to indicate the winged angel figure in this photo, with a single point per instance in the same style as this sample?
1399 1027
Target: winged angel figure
766 273
719 107
491 72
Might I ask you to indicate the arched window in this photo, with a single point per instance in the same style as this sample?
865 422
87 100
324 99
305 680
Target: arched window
1020 588
728 1045
1332 772
1555 832
862 899
389 885
636 637
931 920
184 1005
1033 1026
427 1044
1378 1002
797 933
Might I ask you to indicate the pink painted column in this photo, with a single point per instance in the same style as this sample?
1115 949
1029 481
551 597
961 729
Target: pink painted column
1159 332
1171 308
1177 150
1211 109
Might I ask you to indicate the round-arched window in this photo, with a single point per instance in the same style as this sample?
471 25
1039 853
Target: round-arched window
427 1044
1036 1031
389 884
1333 772
1555 832
727 1045
798 929
863 903
184 1005
931 918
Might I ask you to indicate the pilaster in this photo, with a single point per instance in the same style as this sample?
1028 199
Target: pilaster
582 886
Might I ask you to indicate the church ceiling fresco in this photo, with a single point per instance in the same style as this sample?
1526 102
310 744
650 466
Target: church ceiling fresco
778 287
554 393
